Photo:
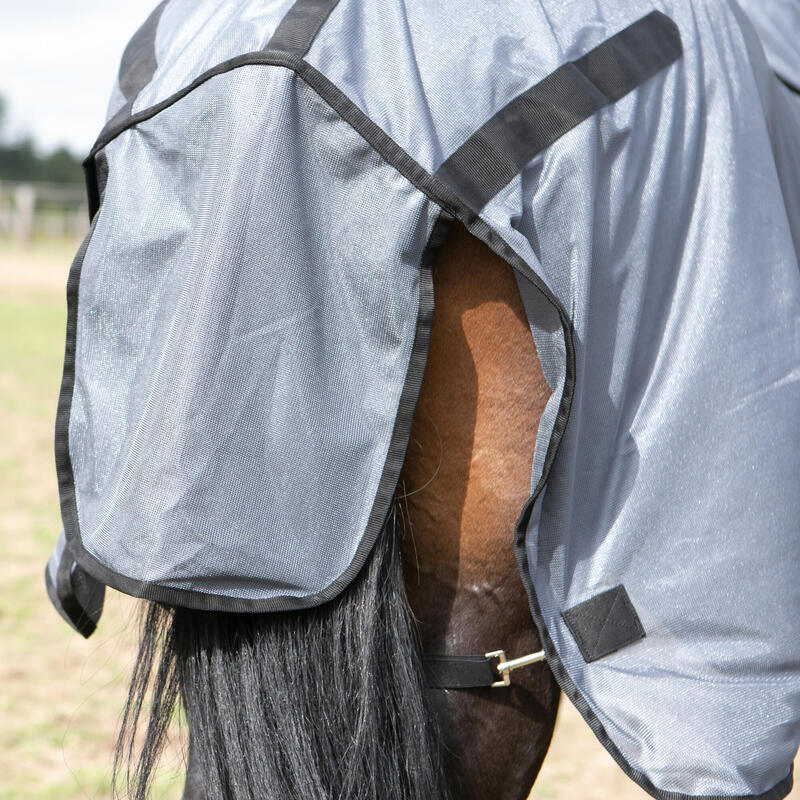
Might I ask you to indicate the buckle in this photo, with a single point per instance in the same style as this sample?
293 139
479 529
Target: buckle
505 679
504 666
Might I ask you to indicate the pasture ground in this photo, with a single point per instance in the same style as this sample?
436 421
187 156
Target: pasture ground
61 695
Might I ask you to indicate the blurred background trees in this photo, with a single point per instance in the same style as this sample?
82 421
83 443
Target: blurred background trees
20 160
41 194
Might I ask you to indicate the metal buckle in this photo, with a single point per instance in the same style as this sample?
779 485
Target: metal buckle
504 666
500 655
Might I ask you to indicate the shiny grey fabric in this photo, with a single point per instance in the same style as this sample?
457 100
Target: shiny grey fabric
196 35
678 473
248 304
778 26
679 469
244 333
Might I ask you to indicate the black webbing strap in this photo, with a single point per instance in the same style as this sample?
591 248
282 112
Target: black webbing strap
299 27
493 156
136 70
138 64
459 672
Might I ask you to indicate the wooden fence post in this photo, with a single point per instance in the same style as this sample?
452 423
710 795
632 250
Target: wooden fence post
24 205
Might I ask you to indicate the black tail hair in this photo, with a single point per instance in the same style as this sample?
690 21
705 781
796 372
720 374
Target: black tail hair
321 704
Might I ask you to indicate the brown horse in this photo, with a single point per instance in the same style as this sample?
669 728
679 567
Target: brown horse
359 722
464 481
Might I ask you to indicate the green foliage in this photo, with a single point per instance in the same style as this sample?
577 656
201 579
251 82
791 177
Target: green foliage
61 167
19 160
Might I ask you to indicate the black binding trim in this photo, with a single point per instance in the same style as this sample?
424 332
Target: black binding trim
458 672
496 153
65 595
66 483
299 27
90 177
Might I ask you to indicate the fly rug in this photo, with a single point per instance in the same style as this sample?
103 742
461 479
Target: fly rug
377 540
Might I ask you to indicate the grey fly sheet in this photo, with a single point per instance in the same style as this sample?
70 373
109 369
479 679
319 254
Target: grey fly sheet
250 311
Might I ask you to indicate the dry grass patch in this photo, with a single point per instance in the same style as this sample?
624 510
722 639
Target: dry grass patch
61 695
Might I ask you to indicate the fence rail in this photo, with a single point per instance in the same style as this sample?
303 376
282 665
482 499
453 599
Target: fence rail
30 210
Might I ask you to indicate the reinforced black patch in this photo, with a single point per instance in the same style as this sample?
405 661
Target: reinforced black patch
497 152
604 623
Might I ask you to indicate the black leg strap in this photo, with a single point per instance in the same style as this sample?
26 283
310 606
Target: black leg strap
459 672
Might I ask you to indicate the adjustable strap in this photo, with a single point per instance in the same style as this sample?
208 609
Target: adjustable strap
458 672
474 672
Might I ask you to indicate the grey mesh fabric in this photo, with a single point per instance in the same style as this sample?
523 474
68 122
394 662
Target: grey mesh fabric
248 391
778 26
249 312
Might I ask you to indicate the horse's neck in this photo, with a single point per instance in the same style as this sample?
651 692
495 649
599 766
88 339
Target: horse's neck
466 477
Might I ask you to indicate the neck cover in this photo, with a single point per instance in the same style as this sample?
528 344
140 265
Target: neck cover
249 317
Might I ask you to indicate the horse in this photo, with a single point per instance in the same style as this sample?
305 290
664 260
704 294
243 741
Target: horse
331 702
645 270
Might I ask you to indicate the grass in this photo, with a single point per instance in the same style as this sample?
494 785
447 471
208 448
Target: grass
61 695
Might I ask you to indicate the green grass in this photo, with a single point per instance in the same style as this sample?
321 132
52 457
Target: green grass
61 695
